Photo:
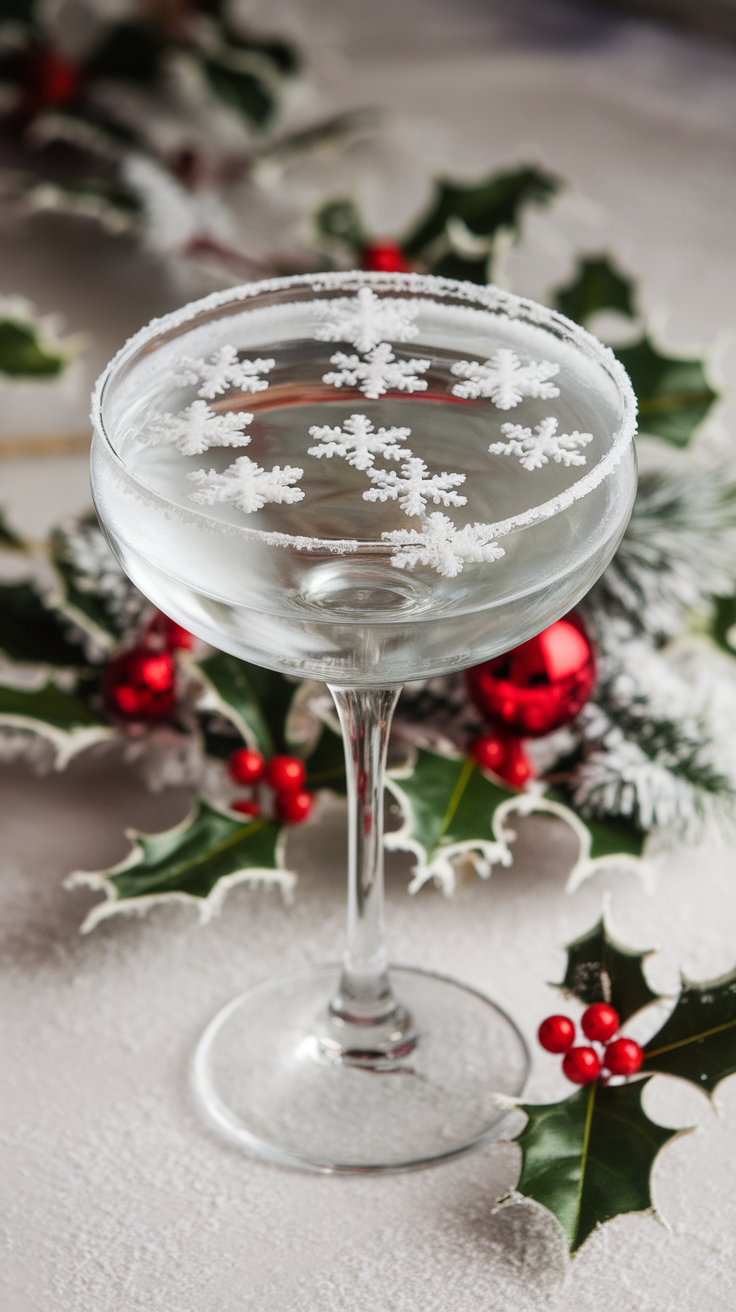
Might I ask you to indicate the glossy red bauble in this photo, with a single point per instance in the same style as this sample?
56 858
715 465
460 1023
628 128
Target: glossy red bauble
556 1034
385 257
140 685
581 1065
246 766
293 808
246 807
285 774
623 1057
600 1022
540 685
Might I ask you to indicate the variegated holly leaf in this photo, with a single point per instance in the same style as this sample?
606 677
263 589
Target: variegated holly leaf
93 590
63 720
24 354
698 1040
245 694
197 861
596 285
32 631
600 970
9 539
590 1157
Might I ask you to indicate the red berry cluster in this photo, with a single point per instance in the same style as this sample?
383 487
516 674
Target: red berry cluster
385 257
284 775
583 1065
140 684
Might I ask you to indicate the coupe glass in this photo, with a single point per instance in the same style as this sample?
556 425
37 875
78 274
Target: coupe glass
435 472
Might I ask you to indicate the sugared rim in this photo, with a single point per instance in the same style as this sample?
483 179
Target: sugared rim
489 297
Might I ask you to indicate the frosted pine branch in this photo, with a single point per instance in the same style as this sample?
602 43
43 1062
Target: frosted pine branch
246 485
505 379
196 429
358 443
537 448
379 373
442 546
366 319
414 487
222 371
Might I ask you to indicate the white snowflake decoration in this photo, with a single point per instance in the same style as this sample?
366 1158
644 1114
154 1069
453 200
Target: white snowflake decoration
442 545
537 448
505 379
358 442
366 319
414 486
379 373
247 485
224 370
196 429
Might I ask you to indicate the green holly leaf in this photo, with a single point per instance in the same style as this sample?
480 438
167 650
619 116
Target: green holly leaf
590 1157
23 354
229 690
340 221
615 837
63 720
198 860
448 810
32 631
596 285
482 207
234 79
600 970
129 51
698 1040
8 537
102 601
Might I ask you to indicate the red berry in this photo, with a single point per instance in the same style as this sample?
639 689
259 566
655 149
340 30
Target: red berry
517 767
140 685
293 808
155 671
600 1022
246 807
581 1065
385 257
165 634
285 774
556 1034
488 752
623 1057
246 766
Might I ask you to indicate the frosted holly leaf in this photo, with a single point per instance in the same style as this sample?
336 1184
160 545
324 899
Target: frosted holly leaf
442 545
538 448
223 370
380 372
196 429
246 485
366 319
505 379
414 486
358 442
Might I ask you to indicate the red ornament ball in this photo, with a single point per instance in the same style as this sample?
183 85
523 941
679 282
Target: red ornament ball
385 257
140 685
246 807
246 766
293 808
285 774
556 1034
581 1065
540 685
600 1022
623 1057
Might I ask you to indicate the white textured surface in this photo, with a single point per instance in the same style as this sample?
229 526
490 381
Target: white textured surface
113 1197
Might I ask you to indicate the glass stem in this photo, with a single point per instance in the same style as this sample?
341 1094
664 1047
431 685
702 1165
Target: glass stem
364 997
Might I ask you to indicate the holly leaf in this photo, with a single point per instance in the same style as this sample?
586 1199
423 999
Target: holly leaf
8 537
590 1157
600 970
63 720
32 631
198 861
102 601
24 355
448 810
483 207
698 1040
596 285
340 221
255 700
234 80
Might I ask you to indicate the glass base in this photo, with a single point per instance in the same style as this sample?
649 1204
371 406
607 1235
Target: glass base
269 1081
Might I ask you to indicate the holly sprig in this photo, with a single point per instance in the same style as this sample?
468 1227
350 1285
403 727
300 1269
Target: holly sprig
589 1157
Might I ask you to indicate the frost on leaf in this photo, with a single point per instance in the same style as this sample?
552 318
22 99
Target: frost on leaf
414 486
505 379
224 370
247 485
196 429
366 319
538 448
442 545
380 372
358 443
